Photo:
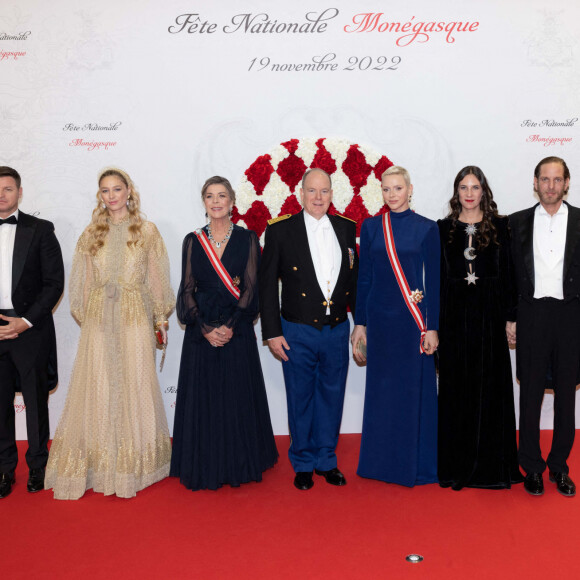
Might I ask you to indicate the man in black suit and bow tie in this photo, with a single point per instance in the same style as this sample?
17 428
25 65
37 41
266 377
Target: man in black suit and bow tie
546 254
314 255
31 283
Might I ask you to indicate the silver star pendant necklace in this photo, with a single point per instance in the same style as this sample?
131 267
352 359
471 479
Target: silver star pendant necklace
228 235
469 254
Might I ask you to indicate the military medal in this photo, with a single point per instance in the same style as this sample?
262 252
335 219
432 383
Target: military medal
417 296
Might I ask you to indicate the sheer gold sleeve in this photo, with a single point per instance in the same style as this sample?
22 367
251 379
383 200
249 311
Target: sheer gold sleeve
81 279
158 277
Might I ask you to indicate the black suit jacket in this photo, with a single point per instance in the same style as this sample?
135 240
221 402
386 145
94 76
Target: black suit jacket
287 257
522 225
37 279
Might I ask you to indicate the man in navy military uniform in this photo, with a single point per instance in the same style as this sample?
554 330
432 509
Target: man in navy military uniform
314 255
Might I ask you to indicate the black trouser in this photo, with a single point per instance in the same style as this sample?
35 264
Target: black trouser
548 335
23 367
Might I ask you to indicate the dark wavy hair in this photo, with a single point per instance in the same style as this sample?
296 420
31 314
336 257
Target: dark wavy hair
487 232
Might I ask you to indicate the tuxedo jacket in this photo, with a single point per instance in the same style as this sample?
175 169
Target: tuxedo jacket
287 257
522 225
37 279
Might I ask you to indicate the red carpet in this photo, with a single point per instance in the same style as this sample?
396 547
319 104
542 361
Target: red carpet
271 530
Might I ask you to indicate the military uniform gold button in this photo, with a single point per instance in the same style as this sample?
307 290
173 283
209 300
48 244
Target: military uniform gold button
294 268
347 293
315 320
324 303
303 294
331 302
337 319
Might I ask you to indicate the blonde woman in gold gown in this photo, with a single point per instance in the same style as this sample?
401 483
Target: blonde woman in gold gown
113 435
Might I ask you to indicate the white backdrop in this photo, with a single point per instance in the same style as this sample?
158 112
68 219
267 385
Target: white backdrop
174 99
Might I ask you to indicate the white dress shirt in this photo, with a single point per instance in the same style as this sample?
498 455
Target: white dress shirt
549 246
325 252
7 237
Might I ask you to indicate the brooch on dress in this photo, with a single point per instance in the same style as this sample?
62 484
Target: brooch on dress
236 281
471 229
417 296
469 254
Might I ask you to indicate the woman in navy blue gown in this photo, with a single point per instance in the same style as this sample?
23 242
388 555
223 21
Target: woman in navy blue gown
399 433
222 433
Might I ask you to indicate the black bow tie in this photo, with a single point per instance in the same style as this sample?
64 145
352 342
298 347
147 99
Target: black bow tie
11 220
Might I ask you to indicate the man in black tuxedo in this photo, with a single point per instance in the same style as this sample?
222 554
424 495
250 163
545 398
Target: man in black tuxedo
314 255
546 254
31 283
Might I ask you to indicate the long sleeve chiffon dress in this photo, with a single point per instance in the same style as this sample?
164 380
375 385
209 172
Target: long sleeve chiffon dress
222 433
113 435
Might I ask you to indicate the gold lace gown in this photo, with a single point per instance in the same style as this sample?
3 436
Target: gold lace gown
113 435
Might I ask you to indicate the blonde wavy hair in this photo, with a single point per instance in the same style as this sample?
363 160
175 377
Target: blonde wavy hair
99 226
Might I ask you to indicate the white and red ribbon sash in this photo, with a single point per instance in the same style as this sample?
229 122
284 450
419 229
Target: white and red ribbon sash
401 279
217 265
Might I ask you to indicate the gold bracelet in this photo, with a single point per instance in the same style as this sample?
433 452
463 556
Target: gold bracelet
164 323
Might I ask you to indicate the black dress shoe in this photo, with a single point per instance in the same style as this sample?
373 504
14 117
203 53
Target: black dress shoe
534 483
303 480
35 480
6 483
333 476
565 485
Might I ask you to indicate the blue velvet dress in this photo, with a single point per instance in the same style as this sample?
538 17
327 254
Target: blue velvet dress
399 433
222 432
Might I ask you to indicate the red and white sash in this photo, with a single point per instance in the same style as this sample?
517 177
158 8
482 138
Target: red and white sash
217 265
401 279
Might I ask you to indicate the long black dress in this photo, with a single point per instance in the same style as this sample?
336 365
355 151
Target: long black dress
477 433
222 432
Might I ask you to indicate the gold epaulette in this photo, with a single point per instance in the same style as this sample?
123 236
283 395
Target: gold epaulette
346 218
279 218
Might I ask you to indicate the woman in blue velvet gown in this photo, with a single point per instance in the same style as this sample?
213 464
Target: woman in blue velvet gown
399 433
222 432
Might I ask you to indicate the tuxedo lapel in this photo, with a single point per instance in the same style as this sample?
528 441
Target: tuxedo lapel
22 240
572 236
527 238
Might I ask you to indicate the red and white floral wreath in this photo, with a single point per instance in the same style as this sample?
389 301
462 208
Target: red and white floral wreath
269 186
